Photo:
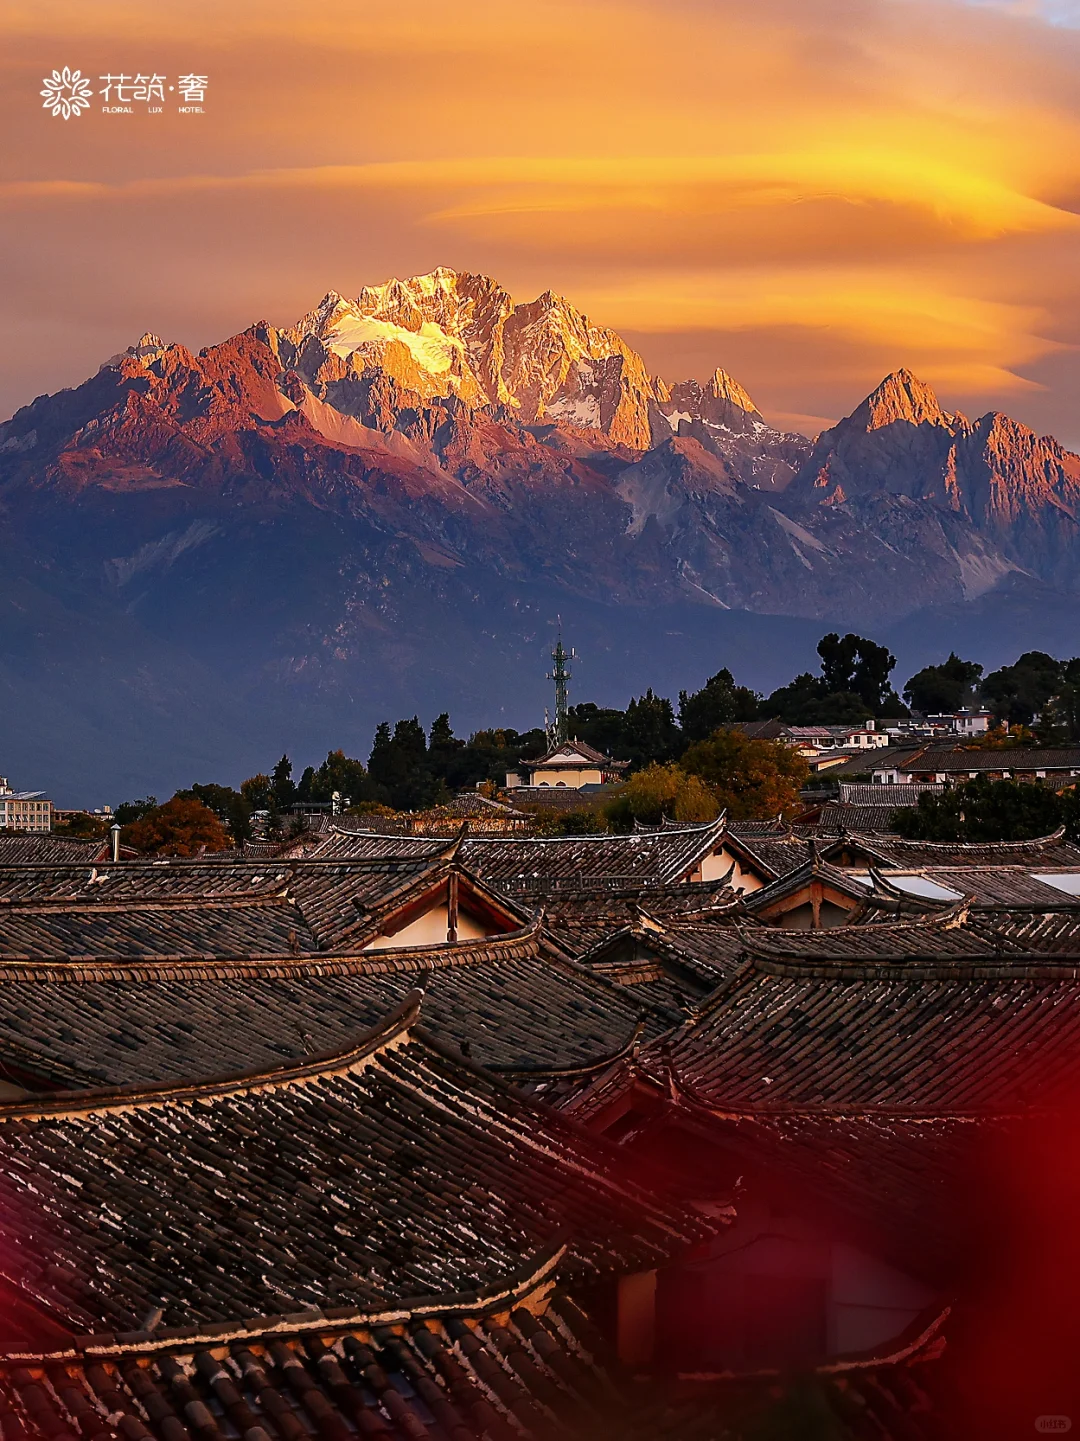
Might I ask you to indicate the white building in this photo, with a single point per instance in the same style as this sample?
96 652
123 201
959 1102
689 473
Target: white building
24 810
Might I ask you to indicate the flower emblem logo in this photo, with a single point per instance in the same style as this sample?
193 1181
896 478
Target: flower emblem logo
66 93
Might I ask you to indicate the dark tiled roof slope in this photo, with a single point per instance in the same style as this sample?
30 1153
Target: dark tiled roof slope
193 909
193 929
841 816
1046 851
387 1172
989 886
911 1037
578 920
959 759
518 1371
532 1370
121 1024
24 850
652 857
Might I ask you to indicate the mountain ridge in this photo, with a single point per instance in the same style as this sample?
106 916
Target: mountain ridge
432 464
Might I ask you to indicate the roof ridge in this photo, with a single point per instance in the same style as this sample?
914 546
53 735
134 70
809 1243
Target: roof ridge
1049 839
991 966
535 1274
582 1068
82 970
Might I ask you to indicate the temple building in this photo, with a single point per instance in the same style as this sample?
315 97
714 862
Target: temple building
571 764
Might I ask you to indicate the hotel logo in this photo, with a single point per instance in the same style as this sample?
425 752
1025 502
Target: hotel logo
69 92
66 92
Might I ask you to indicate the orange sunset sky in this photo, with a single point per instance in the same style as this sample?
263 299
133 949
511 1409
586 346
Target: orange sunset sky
807 192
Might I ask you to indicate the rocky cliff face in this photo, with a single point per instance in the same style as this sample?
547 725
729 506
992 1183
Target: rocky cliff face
458 335
1017 491
322 504
724 420
523 438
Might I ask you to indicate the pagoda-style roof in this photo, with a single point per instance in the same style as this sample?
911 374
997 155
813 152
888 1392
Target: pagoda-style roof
18 850
799 1027
526 1365
236 907
511 1000
386 1171
573 755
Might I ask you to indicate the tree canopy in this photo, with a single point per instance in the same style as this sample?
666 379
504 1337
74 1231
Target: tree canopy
719 702
986 810
945 688
181 827
853 686
749 778
1018 693
662 792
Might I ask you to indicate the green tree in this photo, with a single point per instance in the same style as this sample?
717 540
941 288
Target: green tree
718 703
598 726
239 819
1018 693
339 773
399 767
1060 723
583 822
129 811
282 785
853 686
84 826
983 810
257 790
650 732
444 750
751 779
661 792
942 689
804 701
853 665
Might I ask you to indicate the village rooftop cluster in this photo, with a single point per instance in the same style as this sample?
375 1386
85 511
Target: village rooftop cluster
455 1123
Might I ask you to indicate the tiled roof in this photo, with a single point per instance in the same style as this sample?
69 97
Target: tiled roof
793 880
866 762
26 850
362 1179
837 816
522 864
120 1023
528 864
511 1371
1045 851
957 759
773 853
244 907
792 1033
531 1368
566 752
853 793
579 919
987 886
895 1183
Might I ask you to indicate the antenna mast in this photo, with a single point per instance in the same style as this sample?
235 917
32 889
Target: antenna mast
560 673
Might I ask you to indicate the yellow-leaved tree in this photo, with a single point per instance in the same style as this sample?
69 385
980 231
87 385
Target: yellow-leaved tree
749 778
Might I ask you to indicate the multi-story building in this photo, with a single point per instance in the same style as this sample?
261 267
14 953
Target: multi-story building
24 810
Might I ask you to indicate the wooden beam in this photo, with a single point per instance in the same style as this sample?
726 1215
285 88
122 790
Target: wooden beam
452 908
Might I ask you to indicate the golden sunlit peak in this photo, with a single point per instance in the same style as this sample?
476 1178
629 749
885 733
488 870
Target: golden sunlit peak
900 396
